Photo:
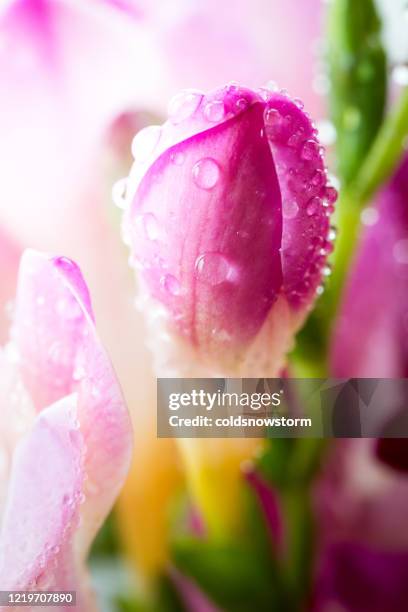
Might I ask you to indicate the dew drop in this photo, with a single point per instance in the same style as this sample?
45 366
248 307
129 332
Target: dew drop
214 111
310 150
327 270
170 284
119 193
214 268
318 178
296 139
69 308
145 142
332 233
151 226
290 209
319 290
273 117
241 104
206 173
183 105
313 206
331 194
177 158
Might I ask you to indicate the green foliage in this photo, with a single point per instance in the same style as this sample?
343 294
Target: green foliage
239 575
358 77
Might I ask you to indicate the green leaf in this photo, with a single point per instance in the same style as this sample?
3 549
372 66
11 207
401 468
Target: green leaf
357 70
234 576
239 575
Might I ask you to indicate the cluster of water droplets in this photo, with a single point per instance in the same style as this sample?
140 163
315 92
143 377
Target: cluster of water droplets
308 196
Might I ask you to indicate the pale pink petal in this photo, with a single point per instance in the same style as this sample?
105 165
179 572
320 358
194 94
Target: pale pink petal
16 417
42 512
206 42
60 353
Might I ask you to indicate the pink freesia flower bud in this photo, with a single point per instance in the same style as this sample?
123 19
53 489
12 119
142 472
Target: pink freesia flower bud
65 432
228 222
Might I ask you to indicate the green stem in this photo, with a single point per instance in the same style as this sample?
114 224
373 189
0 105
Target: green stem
384 154
378 166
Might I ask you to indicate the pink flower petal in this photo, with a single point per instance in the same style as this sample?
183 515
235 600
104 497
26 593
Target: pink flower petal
43 503
16 418
307 201
197 220
60 353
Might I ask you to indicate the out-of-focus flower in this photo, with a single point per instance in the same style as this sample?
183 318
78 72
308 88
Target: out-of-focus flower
206 43
371 334
65 435
227 215
357 578
362 506
363 498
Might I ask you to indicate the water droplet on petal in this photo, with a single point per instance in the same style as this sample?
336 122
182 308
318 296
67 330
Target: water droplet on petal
214 268
319 290
119 193
151 226
272 117
145 142
290 209
214 111
206 173
310 151
317 178
171 284
183 105
332 233
313 206
241 104
331 194
69 308
177 158
327 270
